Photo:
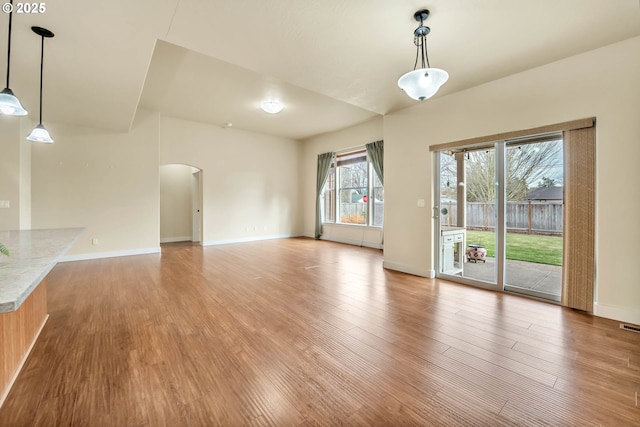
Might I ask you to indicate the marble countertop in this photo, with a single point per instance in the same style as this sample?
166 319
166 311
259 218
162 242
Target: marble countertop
34 253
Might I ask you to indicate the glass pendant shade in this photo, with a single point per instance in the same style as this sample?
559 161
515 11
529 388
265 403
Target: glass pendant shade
40 134
423 83
10 105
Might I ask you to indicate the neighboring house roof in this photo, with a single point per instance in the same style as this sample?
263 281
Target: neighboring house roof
545 193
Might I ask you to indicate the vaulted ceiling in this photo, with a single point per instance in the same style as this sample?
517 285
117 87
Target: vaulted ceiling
333 63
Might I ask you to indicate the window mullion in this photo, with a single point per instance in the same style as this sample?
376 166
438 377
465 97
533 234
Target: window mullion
369 192
337 196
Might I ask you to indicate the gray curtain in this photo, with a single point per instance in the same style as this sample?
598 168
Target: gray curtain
324 166
375 151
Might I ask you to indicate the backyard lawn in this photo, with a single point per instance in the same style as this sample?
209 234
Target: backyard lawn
522 247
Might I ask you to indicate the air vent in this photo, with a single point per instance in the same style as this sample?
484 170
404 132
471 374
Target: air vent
631 328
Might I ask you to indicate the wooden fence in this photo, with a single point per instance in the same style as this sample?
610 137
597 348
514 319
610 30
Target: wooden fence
522 217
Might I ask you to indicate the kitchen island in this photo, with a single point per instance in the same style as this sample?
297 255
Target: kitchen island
23 293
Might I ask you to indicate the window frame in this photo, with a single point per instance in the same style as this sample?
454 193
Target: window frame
334 176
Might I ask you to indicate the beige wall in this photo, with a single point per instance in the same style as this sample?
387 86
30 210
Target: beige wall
249 180
15 172
25 176
601 83
109 183
176 205
359 135
104 181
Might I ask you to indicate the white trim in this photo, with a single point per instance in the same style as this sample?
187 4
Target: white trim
99 255
409 270
249 239
176 239
617 313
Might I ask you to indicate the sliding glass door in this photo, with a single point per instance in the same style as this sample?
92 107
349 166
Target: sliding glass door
467 215
499 216
534 209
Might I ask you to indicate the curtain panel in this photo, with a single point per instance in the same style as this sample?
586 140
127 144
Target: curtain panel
324 166
578 264
375 151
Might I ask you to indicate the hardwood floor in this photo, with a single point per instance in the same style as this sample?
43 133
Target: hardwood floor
298 332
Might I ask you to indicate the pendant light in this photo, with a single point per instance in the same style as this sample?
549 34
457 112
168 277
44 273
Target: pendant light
9 104
422 83
39 133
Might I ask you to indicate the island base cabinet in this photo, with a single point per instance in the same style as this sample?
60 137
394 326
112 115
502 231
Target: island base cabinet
18 333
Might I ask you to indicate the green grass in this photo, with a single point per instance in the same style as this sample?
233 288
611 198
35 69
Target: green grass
522 247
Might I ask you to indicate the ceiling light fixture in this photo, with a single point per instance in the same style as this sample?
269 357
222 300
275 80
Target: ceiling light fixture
272 107
422 83
39 133
9 103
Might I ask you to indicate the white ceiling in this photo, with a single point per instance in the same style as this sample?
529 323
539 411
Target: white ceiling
333 63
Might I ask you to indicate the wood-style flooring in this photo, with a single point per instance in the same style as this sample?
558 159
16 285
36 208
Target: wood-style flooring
297 332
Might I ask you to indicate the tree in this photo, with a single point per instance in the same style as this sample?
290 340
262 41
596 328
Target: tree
525 164
448 177
546 182
353 177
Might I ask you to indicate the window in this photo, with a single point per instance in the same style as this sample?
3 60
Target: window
346 194
329 197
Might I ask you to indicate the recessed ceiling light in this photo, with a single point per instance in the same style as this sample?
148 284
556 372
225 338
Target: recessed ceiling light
272 107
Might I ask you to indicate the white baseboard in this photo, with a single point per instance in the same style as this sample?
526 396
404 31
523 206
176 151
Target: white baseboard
99 255
409 270
248 239
626 315
354 242
175 239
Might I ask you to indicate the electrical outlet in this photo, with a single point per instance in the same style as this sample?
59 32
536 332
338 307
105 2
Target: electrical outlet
5 204
94 241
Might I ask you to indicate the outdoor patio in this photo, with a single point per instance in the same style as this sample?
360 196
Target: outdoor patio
522 274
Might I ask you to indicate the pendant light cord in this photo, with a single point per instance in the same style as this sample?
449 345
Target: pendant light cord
41 73
9 42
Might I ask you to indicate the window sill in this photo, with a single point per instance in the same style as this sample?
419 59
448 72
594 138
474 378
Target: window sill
338 224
